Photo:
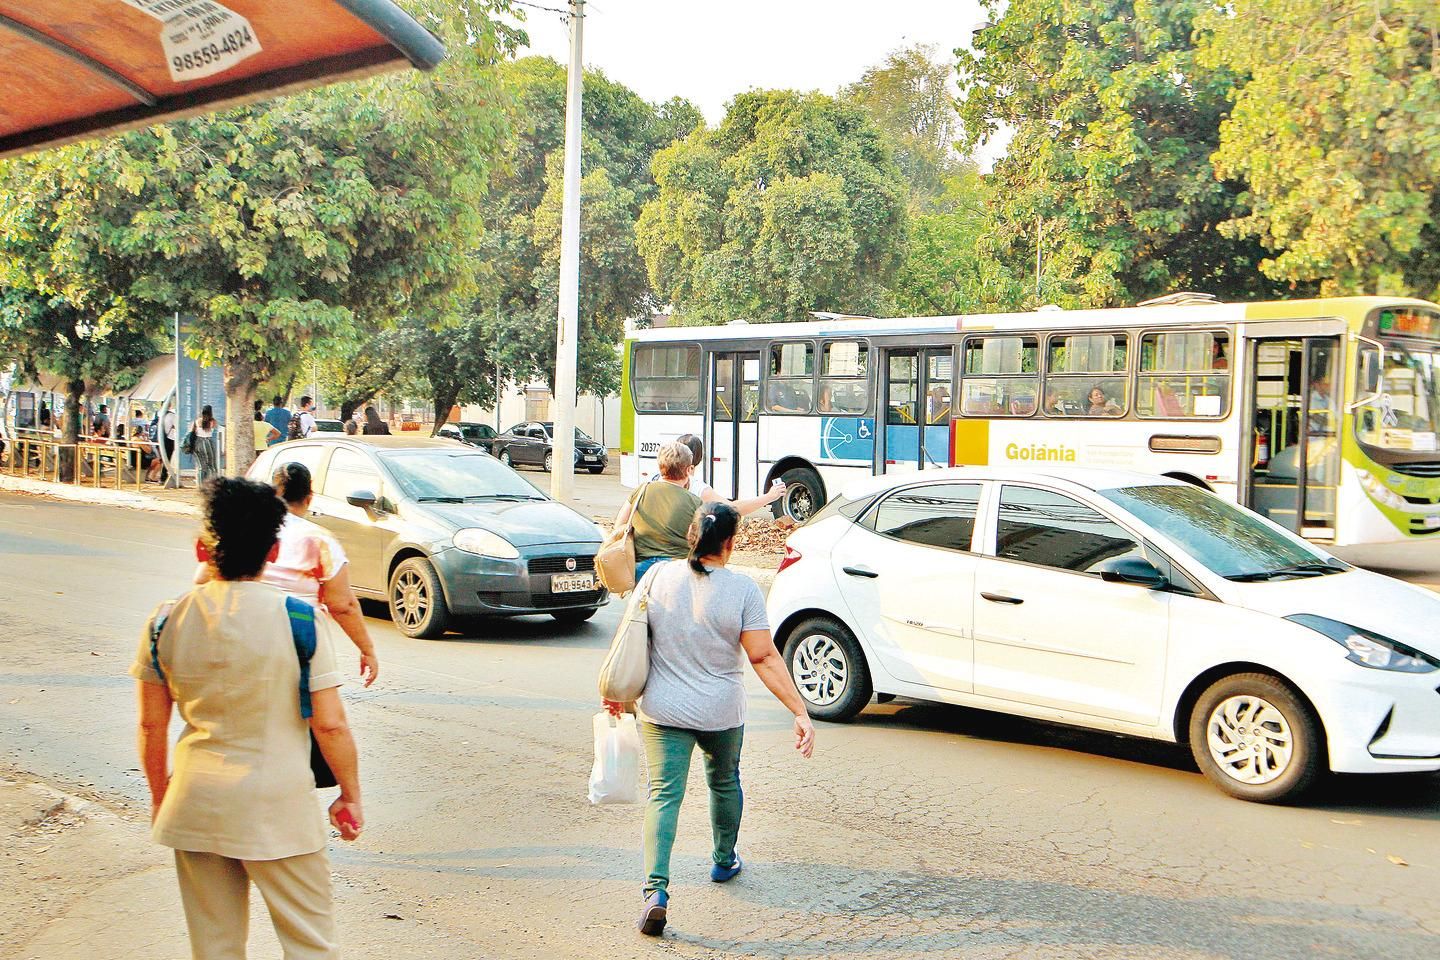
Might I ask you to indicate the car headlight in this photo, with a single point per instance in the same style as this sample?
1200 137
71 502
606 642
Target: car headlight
1367 648
485 543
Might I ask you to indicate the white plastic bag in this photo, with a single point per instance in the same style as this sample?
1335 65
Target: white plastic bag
615 778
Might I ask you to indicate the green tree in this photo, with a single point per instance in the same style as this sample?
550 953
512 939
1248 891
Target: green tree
67 307
909 99
794 203
520 252
947 269
1108 173
1334 133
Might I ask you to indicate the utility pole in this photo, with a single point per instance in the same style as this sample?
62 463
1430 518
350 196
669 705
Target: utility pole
562 467
1039 241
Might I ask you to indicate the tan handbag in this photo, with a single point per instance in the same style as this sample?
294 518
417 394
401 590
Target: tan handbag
627 665
615 563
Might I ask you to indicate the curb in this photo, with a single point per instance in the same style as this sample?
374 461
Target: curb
96 495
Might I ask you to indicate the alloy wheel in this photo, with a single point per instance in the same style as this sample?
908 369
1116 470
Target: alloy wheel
411 598
821 669
1249 739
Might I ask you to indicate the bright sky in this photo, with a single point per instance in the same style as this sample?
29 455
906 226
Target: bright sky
708 52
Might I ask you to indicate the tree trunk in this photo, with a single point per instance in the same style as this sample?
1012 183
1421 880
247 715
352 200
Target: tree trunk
443 403
241 385
70 428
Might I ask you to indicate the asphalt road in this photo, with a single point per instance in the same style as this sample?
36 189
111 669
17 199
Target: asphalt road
915 831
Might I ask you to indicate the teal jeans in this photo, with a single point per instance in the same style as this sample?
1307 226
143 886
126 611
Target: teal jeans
668 751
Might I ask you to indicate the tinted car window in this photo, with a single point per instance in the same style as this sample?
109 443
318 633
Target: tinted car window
939 515
350 471
1052 530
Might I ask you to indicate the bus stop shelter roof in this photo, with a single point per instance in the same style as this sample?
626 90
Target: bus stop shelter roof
71 70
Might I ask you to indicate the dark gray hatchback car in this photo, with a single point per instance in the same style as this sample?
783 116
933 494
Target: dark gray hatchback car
437 529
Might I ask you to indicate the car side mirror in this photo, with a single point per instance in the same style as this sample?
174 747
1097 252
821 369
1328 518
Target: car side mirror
1135 570
362 498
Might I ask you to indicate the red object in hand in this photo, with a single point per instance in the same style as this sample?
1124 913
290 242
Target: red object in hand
347 819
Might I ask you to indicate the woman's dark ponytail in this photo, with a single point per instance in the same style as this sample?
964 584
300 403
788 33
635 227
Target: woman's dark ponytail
714 524
291 482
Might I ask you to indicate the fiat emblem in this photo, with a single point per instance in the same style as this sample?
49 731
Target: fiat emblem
570 564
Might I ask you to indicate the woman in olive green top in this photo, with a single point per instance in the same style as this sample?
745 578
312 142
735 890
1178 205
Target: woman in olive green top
663 510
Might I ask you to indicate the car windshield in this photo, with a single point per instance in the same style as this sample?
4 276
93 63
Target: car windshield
1228 540
550 431
443 475
1402 412
473 433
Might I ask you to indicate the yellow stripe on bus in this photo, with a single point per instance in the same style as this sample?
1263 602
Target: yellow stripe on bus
970 446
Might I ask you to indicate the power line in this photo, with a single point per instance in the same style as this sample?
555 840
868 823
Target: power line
537 6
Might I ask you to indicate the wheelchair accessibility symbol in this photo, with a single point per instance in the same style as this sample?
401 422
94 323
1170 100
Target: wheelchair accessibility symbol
847 438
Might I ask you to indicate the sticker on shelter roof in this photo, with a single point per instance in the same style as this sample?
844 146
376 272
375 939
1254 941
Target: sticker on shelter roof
200 37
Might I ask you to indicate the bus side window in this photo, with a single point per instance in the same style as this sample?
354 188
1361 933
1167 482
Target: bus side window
1000 376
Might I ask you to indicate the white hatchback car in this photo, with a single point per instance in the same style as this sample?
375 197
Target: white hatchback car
1118 601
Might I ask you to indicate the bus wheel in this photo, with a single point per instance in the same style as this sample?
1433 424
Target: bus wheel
804 494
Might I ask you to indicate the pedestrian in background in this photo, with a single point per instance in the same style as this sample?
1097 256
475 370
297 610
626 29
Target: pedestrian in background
278 417
239 805
265 434
703 618
312 566
169 427
203 447
707 493
374 426
662 510
302 423
351 427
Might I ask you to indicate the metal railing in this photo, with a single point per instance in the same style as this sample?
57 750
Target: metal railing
35 454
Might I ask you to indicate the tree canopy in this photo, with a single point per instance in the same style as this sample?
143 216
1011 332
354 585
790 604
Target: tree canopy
794 203
1108 173
520 250
1334 133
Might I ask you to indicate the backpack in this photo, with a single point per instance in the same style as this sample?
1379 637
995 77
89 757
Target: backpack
302 634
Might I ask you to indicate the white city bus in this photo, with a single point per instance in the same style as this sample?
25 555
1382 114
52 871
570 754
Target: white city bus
1320 414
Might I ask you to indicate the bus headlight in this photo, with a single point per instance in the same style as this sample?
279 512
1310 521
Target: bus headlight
486 544
1379 492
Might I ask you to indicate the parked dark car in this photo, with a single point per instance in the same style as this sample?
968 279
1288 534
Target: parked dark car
480 435
438 530
532 443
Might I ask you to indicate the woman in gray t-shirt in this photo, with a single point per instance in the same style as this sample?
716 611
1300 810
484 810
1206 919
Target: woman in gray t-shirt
703 619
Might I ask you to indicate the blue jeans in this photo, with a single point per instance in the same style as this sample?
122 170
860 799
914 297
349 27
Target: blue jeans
642 565
667 753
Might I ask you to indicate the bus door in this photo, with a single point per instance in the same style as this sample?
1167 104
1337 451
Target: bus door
916 385
734 431
1294 445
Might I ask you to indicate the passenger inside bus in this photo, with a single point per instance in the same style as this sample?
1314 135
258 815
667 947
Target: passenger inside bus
786 399
1100 404
937 406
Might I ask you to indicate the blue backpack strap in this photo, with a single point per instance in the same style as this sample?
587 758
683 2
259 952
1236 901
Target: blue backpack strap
158 624
302 631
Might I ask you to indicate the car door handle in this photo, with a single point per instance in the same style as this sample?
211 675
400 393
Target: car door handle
1000 598
865 572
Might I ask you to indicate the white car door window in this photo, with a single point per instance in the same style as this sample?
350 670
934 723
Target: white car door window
908 576
1048 631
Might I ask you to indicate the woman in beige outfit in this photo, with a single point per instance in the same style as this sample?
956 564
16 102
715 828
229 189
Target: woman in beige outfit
239 805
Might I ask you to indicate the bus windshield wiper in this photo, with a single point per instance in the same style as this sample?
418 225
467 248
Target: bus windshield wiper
1291 570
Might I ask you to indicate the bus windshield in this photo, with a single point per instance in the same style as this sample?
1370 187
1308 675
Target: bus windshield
1402 408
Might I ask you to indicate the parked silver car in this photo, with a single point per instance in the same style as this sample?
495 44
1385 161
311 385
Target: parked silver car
439 530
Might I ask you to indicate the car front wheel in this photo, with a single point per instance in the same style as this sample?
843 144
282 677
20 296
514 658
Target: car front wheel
828 668
417 602
1256 739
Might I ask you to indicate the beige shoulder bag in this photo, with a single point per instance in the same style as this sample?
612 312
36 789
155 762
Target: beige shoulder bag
627 665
